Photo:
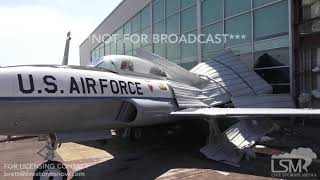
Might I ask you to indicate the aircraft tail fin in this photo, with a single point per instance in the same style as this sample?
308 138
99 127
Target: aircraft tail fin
66 50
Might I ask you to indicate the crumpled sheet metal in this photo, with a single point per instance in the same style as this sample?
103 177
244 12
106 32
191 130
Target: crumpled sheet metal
230 146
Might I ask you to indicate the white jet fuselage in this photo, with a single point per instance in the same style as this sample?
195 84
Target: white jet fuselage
46 99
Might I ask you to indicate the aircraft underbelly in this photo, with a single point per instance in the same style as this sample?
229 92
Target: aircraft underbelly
29 117
52 116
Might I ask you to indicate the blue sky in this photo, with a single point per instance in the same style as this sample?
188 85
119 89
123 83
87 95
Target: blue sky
34 31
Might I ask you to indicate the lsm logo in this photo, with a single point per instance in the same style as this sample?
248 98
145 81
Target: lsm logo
294 164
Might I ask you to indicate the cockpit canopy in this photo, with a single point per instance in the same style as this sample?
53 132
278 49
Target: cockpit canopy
120 63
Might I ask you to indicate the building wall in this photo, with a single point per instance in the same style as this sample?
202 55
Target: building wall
265 23
307 54
125 11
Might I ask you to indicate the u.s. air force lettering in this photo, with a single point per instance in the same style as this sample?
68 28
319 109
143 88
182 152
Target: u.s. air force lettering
79 85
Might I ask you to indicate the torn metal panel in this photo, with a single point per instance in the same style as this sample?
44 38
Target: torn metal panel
189 96
225 77
228 70
222 150
264 101
230 146
245 133
252 79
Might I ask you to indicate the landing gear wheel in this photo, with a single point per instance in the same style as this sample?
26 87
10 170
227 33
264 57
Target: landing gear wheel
136 134
51 170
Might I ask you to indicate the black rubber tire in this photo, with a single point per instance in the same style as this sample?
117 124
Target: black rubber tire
57 166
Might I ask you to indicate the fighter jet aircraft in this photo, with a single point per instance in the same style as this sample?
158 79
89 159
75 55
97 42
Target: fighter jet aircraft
73 103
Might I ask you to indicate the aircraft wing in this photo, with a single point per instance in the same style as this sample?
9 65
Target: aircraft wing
246 112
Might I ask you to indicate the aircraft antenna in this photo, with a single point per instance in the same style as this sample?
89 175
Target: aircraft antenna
66 49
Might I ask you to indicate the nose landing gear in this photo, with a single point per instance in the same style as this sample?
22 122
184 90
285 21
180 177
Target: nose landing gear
51 170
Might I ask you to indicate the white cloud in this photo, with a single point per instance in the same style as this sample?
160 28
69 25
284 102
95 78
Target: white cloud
36 35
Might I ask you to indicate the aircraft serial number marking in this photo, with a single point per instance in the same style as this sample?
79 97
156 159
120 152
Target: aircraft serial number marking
85 86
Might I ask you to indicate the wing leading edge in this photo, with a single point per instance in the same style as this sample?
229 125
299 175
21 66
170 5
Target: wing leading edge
246 112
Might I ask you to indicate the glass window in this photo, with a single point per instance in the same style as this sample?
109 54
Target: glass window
189 50
271 21
158 10
146 37
119 33
271 43
148 48
174 52
281 89
172 6
245 54
211 31
120 49
136 23
242 49
101 49
113 49
212 10
247 59
190 65
189 19
172 24
257 3
158 28
235 6
271 58
160 49
136 43
209 55
107 49
186 3
145 17
97 53
127 28
127 45
239 29
275 75
129 53
93 55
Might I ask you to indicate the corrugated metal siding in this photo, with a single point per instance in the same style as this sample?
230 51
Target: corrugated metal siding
190 90
188 96
233 75
231 145
245 133
124 12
